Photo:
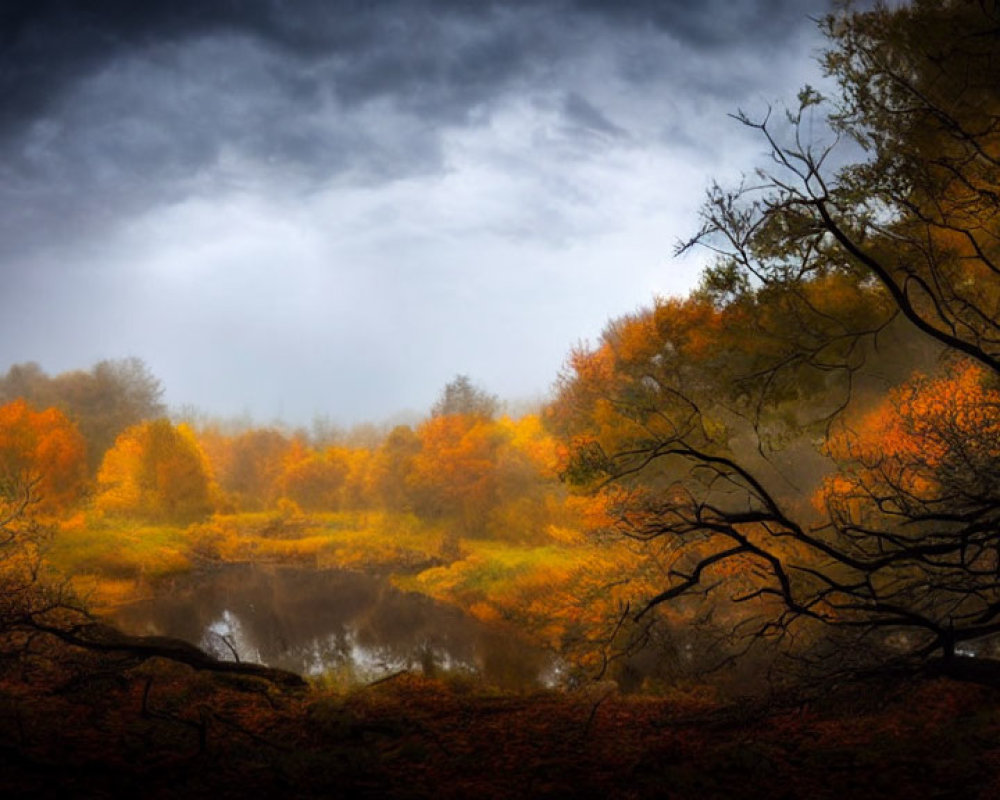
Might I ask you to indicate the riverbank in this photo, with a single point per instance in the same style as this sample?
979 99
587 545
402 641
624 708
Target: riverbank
562 586
114 561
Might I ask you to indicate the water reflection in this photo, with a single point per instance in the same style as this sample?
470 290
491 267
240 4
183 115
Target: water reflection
325 621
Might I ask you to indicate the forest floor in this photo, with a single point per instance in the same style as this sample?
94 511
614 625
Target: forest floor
75 724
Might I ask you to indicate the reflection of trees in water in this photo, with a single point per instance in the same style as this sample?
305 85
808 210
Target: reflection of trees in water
226 639
313 622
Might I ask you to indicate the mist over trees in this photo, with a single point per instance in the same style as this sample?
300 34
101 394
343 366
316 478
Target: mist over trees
460 396
102 401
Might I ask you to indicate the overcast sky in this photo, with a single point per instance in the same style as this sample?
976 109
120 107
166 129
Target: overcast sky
292 208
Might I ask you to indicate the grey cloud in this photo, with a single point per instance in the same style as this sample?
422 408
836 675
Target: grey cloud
581 113
47 46
714 24
112 107
119 101
223 186
411 49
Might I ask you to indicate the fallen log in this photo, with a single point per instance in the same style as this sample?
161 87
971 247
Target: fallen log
98 637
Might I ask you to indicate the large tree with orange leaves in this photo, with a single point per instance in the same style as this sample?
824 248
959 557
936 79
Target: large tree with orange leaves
700 419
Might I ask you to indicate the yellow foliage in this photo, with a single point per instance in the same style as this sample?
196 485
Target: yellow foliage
155 471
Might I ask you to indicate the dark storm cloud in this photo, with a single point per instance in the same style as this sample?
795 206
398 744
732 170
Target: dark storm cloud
47 47
126 102
714 24
113 91
418 51
114 105
289 165
581 112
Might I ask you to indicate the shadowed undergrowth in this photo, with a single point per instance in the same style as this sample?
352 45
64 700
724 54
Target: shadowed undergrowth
81 724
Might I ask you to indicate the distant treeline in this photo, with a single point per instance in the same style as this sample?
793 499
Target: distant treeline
487 475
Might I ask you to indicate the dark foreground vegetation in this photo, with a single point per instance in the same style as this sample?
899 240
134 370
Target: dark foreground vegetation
76 724
767 513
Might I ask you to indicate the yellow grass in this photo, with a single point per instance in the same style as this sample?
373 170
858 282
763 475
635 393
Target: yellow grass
119 550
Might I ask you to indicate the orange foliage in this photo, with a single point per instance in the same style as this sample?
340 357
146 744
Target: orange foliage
677 371
455 471
481 475
635 385
329 480
247 466
491 477
930 440
389 467
312 479
42 448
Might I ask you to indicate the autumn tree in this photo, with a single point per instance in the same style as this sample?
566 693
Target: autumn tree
917 216
115 395
917 502
454 473
529 497
156 471
42 472
391 465
687 414
248 466
322 480
42 458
